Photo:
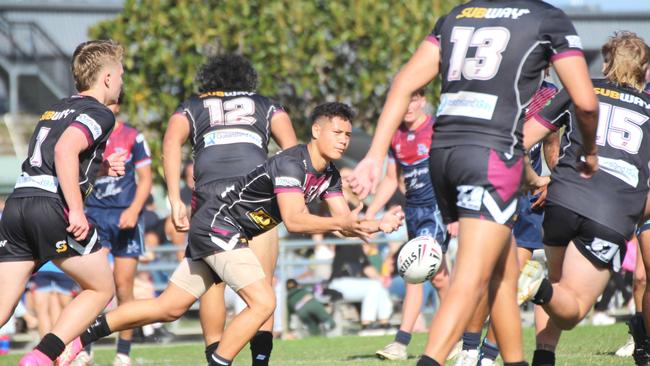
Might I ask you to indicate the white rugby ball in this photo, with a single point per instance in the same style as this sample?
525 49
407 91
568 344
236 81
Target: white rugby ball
419 259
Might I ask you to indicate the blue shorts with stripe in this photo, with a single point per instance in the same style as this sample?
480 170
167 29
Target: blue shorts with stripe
122 243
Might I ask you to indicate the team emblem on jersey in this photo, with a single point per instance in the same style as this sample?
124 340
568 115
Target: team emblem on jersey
422 149
262 218
61 246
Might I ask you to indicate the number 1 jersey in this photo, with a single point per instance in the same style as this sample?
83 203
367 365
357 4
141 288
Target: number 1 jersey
493 56
229 133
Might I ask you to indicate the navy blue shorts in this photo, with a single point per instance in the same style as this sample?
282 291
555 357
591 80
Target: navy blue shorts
426 221
122 243
53 282
528 227
642 228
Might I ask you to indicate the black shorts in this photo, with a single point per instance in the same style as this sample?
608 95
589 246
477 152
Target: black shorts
205 192
602 246
475 181
34 228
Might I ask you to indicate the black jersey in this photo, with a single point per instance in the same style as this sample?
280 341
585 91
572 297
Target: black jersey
615 195
493 54
94 119
229 133
250 204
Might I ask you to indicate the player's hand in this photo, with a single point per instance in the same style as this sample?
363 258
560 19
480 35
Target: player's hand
391 220
541 199
537 184
452 229
128 219
116 164
587 165
78 225
179 216
353 227
365 177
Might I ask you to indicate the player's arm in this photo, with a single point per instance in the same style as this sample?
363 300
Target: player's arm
178 131
129 217
66 161
388 223
551 148
418 71
297 219
282 130
385 190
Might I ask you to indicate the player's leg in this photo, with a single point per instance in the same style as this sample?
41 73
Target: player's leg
42 307
13 278
638 292
212 314
265 247
639 327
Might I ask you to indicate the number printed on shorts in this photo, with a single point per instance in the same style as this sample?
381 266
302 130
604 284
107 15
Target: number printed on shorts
620 128
36 159
489 42
238 111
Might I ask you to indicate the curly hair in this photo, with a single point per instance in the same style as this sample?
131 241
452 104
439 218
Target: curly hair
626 58
226 73
329 110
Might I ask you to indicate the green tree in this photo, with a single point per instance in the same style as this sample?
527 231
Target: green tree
306 51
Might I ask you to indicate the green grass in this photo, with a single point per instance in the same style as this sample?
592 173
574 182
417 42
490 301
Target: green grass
586 345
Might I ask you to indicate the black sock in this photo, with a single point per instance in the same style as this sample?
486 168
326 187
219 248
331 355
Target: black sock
51 345
123 346
521 363
210 349
543 358
403 337
489 350
427 361
216 360
544 294
98 329
261 347
471 340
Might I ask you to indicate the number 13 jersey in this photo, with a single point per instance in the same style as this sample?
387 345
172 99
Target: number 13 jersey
493 56
229 132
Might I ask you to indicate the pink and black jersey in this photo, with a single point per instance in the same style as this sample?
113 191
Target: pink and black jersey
229 133
410 149
539 101
615 195
95 120
119 192
493 56
250 205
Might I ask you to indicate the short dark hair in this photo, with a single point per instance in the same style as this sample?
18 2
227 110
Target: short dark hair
226 73
329 110
421 91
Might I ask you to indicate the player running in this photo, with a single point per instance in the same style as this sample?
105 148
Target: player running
44 217
274 192
409 157
587 222
114 207
230 128
491 56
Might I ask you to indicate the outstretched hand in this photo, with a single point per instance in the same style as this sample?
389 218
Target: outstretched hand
391 220
365 177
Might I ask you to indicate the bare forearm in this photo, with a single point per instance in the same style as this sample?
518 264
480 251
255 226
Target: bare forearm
391 116
142 192
588 122
172 169
384 192
67 171
311 224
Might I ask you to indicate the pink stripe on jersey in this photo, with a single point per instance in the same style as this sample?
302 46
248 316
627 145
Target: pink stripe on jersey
433 40
83 129
285 190
539 101
539 119
332 194
504 179
564 54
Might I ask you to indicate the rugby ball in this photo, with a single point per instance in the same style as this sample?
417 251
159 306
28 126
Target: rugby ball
419 259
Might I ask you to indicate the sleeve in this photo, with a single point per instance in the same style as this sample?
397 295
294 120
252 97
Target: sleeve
335 188
434 36
558 33
182 108
556 112
140 151
275 108
287 175
95 123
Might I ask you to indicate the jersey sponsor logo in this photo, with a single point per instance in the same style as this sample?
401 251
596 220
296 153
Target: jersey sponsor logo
261 218
44 182
287 182
56 115
623 97
468 104
231 136
603 249
492 13
574 41
470 197
219 93
93 126
620 169
61 246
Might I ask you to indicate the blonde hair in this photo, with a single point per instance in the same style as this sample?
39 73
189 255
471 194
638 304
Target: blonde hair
626 58
90 57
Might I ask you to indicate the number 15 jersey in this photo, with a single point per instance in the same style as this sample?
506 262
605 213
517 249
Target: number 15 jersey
493 55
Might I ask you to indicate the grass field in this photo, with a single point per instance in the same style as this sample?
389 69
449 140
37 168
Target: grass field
586 345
